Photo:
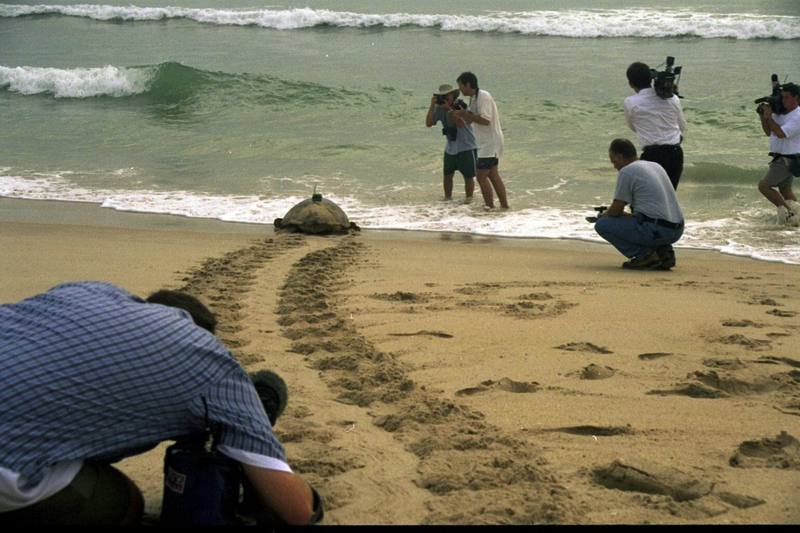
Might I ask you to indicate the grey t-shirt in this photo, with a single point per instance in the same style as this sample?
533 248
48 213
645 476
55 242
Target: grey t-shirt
645 186
465 139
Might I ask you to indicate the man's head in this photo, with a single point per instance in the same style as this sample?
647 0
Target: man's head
622 152
790 94
639 76
273 393
468 83
201 315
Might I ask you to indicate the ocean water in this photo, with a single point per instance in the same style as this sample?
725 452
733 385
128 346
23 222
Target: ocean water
237 110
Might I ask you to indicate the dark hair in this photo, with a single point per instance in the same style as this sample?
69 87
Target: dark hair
639 75
791 88
272 391
468 78
201 315
623 147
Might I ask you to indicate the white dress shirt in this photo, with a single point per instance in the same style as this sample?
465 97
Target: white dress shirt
656 120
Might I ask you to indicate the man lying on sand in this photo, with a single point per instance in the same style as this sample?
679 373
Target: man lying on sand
92 374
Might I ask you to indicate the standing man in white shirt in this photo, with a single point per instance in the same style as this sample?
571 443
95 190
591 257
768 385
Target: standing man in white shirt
658 122
784 147
482 112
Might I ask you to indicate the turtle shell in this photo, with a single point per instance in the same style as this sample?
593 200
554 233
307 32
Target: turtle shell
316 215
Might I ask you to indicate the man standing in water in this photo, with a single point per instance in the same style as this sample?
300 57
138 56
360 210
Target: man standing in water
784 147
459 152
482 112
658 122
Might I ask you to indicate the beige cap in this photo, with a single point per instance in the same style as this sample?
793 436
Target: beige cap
445 89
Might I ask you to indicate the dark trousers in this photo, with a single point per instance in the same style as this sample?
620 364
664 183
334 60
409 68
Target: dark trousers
669 156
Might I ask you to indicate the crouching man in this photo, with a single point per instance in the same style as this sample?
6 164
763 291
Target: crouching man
93 374
644 235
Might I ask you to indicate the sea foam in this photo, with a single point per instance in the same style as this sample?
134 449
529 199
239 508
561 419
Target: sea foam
77 82
588 23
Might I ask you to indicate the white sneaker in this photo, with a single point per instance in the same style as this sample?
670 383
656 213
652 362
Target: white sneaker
794 207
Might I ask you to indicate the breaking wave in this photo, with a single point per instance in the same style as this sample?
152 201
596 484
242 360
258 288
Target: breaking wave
589 23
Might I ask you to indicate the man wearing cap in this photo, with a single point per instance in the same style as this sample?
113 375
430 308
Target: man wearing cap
784 147
460 149
93 374
658 122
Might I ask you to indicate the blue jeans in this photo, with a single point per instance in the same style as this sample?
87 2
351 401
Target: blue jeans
634 238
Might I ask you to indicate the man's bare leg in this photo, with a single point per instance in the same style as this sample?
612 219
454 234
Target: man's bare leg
486 187
448 186
469 188
499 186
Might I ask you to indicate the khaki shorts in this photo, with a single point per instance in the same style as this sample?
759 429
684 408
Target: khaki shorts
779 173
99 495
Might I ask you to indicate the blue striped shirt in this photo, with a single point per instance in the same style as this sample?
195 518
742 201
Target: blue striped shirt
88 371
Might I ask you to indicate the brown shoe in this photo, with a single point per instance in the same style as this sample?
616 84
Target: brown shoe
648 262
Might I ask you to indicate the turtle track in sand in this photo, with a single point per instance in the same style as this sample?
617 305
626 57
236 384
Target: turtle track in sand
222 283
474 472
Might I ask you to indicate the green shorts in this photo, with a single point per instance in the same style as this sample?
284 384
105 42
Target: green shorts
464 162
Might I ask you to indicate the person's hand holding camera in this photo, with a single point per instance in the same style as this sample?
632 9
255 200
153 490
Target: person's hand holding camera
765 110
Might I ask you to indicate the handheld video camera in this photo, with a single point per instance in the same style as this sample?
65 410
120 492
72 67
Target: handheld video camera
600 211
774 100
666 82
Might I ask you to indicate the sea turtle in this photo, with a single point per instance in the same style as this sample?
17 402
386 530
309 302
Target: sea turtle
316 215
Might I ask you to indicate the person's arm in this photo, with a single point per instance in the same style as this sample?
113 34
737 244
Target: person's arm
681 117
456 119
429 121
769 125
628 115
616 209
285 493
469 117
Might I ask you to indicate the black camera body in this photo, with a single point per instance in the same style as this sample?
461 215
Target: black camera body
665 82
600 211
459 104
440 99
774 100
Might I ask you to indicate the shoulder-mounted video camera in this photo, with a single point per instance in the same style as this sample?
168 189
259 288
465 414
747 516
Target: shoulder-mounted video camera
774 100
666 81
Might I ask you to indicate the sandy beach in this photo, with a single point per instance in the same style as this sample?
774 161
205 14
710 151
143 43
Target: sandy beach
448 378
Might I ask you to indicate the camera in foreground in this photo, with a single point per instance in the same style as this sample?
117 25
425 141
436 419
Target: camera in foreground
774 100
665 82
600 210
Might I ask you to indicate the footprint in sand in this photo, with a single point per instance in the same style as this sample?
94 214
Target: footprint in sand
596 431
653 355
782 314
583 347
725 364
781 452
401 296
594 371
692 390
505 384
741 340
741 324
440 334
651 478
771 360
